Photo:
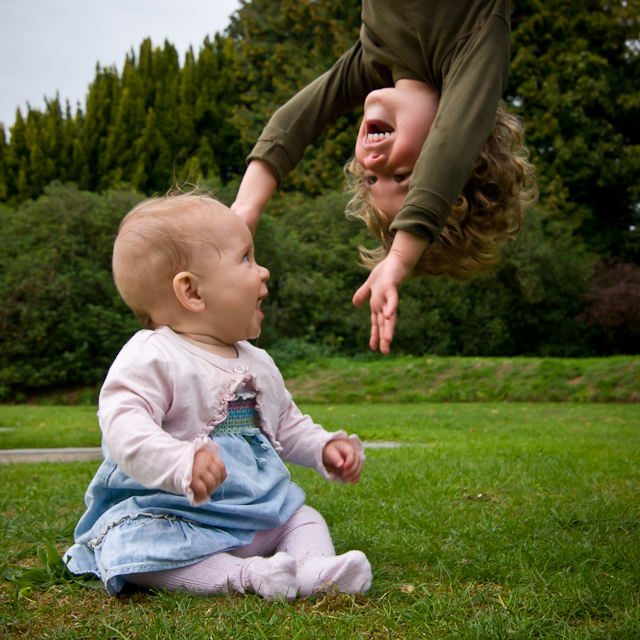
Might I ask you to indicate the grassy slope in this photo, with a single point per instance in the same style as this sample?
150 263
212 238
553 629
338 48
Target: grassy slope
431 379
376 378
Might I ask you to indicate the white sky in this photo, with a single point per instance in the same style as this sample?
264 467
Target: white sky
52 46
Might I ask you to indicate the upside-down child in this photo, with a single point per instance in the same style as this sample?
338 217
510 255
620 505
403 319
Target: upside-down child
193 493
440 173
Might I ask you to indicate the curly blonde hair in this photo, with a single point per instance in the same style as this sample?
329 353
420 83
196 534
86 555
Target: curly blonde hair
488 212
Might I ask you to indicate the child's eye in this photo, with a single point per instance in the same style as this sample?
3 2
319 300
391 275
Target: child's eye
370 180
246 257
401 177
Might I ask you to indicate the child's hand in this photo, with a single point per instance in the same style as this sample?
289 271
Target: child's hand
381 287
207 475
340 458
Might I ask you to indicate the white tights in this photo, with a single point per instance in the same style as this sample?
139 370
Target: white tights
297 558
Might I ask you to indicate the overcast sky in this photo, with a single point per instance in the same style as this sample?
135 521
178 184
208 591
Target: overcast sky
52 46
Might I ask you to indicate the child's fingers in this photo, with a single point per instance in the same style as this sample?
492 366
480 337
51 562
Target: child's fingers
390 303
342 459
386 335
375 332
208 482
354 475
384 332
216 473
200 489
362 294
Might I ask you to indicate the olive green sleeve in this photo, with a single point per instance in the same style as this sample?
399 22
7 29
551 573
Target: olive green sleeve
472 88
295 125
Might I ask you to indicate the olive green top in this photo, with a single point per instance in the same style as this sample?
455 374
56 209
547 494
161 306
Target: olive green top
461 47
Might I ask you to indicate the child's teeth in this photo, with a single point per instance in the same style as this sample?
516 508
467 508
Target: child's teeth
378 136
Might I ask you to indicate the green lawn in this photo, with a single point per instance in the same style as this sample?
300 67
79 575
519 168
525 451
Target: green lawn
500 520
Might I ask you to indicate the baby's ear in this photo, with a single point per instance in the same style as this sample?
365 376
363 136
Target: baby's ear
185 286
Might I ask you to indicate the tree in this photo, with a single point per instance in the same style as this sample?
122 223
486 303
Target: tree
574 81
4 187
282 47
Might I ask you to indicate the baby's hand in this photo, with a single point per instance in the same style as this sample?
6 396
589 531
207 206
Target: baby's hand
341 458
207 475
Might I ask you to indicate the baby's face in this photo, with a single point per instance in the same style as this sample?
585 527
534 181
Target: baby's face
394 128
233 283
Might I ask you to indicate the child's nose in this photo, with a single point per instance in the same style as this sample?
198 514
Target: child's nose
374 160
264 273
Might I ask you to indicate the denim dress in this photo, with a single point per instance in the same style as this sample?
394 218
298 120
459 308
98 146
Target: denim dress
129 528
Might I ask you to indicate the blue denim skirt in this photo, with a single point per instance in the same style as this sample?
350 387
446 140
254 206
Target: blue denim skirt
128 528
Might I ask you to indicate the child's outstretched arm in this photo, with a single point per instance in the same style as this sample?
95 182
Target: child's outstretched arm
295 125
341 458
207 474
381 287
257 186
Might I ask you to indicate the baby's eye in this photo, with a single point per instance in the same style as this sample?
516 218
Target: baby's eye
370 180
401 177
246 257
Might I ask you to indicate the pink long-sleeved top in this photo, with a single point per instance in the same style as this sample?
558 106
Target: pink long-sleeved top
163 396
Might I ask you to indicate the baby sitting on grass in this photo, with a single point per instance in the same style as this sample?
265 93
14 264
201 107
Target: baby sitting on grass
193 493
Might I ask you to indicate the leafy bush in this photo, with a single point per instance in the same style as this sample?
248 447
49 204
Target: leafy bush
529 304
62 320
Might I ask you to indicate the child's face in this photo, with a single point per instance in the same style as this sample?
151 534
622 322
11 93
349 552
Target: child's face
232 283
395 125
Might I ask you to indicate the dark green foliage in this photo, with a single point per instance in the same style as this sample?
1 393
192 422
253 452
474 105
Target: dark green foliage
282 46
310 250
527 306
61 321
150 126
574 81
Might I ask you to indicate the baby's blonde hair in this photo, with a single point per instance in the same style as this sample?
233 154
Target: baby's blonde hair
155 241
488 212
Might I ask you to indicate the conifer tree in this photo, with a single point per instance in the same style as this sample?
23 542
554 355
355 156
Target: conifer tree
4 187
281 48
97 119
153 159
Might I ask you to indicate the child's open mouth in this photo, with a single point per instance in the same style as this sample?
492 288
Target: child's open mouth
377 131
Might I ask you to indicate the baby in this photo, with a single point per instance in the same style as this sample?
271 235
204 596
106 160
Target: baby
193 493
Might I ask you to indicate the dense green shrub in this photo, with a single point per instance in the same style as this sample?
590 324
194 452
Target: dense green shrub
528 305
61 321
